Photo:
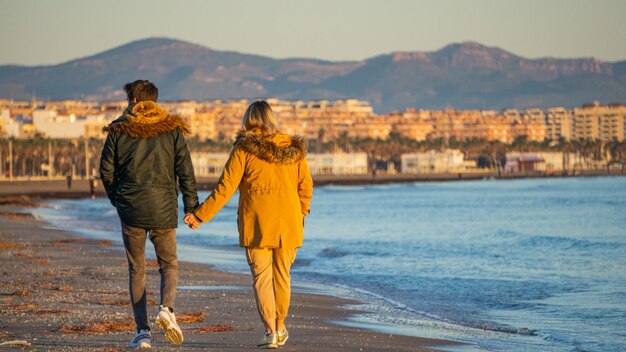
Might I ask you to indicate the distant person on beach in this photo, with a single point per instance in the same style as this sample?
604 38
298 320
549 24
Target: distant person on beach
144 156
69 181
270 171
92 187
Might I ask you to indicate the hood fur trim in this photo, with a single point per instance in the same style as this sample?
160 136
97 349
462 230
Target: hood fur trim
147 112
145 130
290 149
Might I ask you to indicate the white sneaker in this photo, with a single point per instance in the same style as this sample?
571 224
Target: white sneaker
167 321
282 337
142 340
268 341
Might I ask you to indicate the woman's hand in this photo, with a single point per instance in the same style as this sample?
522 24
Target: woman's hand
192 221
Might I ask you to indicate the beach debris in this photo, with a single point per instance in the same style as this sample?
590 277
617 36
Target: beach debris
25 306
7 299
18 202
10 245
17 216
197 317
215 328
121 302
50 311
105 242
25 254
22 292
65 289
15 343
74 240
106 326
61 243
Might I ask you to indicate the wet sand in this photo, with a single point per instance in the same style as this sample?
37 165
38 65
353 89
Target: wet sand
61 292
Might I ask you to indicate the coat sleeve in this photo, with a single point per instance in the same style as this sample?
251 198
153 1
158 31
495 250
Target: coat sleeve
305 186
183 169
107 167
226 187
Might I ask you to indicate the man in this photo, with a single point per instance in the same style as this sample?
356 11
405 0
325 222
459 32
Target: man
143 158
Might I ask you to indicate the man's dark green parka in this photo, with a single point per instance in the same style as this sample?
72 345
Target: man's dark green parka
145 155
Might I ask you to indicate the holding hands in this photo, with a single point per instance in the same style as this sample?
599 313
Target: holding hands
192 221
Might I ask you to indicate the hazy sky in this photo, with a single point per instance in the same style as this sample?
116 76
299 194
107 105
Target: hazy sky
50 32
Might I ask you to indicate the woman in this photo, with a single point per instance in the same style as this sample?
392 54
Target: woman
275 188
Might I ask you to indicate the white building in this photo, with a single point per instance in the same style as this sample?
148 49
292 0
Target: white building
208 164
337 163
9 125
432 161
50 124
15 127
540 161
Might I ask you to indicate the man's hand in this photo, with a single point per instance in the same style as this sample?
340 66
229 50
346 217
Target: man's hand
192 221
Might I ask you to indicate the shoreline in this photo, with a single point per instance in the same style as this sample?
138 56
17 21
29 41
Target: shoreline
47 297
80 187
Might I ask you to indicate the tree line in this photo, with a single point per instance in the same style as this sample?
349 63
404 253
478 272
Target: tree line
44 157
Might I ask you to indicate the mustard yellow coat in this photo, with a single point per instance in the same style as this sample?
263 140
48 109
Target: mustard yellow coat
275 189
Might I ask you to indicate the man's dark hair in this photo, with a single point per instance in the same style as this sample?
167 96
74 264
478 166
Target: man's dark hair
142 90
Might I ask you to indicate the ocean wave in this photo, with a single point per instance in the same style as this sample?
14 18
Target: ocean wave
567 243
334 252
337 188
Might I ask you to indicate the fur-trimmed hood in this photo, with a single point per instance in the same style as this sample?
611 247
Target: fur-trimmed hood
146 119
278 147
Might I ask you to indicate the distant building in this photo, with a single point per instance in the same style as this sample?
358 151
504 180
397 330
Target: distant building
17 127
328 120
559 124
52 125
450 160
337 163
93 128
208 164
540 161
596 121
524 162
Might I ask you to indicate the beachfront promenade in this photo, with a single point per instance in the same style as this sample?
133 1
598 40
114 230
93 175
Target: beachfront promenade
80 187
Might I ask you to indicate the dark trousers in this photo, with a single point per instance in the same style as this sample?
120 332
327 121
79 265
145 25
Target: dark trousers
164 241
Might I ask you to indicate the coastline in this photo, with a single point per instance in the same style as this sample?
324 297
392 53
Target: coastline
62 291
80 187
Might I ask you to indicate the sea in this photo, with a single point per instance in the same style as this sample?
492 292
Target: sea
501 265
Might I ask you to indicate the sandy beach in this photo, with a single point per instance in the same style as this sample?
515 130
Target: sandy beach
61 292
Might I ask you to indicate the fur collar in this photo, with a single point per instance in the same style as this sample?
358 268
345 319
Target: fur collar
278 148
145 120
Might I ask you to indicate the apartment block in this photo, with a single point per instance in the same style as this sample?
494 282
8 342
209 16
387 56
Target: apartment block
595 121
327 120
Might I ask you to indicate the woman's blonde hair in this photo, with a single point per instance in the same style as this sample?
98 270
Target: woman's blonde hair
259 115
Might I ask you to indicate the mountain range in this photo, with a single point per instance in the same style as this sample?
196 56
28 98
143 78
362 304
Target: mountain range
465 75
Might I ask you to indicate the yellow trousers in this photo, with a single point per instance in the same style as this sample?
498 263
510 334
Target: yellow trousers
272 281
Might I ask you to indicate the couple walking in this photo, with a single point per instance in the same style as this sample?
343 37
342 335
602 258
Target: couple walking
145 158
